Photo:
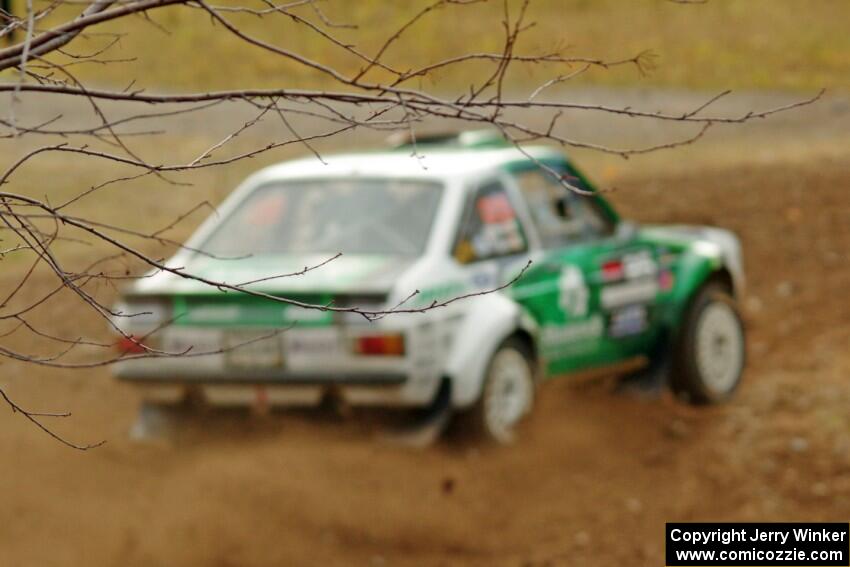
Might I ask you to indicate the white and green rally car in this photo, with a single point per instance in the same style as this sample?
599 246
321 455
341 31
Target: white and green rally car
464 217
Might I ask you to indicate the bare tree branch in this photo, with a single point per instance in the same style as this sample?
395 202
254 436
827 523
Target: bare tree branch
378 96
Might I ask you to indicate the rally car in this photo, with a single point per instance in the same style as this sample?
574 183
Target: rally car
388 230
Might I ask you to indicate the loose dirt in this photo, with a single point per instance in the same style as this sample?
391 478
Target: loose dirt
591 481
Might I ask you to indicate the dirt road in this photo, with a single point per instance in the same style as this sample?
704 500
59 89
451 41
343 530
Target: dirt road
591 482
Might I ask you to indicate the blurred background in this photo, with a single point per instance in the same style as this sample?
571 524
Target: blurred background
594 476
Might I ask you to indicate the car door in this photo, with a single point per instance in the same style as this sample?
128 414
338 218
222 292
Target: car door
593 283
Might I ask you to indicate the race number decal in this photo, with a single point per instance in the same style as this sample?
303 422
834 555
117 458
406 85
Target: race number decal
573 294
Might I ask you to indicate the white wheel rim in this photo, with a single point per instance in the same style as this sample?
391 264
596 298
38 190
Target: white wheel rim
719 347
509 393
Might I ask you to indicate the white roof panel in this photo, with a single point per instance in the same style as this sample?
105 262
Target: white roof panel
438 163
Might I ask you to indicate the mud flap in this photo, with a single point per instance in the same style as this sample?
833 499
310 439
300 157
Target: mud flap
427 427
651 381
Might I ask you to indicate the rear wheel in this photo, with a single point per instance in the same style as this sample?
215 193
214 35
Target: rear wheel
710 351
508 392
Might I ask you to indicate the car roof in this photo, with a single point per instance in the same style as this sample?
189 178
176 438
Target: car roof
428 162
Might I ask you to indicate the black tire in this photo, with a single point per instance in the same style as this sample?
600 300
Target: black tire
480 418
710 350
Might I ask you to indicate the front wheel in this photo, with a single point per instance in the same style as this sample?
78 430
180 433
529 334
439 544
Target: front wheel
710 351
508 392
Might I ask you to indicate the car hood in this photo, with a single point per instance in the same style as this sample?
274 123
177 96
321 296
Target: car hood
280 275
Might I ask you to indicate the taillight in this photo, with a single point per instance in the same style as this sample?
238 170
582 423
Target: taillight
379 345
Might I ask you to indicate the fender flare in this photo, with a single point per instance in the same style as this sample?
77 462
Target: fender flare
486 325
696 270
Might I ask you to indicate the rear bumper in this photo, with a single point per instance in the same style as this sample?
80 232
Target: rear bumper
311 362
358 391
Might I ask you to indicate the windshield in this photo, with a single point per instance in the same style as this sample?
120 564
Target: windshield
352 216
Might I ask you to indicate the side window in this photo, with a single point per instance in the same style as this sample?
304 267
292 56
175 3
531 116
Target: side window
489 227
562 216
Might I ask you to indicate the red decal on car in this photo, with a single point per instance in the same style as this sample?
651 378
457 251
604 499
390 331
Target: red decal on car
612 270
665 280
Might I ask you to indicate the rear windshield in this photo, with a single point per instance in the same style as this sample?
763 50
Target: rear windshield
360 216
